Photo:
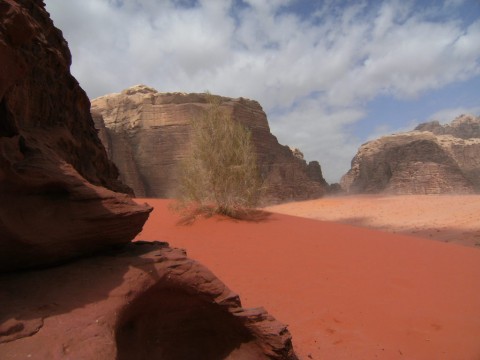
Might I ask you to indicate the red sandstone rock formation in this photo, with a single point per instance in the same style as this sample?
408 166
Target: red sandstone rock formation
147 133
145 301
136 301
432 159
53 168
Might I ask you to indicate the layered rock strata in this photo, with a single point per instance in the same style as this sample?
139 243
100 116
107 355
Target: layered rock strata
432 159
145 301
55 176
147 134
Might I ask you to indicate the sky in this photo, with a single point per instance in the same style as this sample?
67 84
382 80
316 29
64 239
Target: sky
330 75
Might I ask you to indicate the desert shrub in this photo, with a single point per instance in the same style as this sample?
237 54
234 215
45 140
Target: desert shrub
219 173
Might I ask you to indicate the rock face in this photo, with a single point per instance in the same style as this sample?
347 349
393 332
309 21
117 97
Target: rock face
145 301
57 202
463 127
54 172
432 159
146 134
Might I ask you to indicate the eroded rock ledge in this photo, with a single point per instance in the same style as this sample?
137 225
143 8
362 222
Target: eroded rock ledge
59 193
144 301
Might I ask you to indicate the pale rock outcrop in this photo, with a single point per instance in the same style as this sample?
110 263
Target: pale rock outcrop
463 127
432 159
148 134
297 153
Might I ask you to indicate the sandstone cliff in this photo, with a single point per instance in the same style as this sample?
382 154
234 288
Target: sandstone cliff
432 159
147 133
55 176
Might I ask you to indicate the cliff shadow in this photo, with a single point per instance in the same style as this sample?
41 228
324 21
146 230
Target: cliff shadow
28 297
170 323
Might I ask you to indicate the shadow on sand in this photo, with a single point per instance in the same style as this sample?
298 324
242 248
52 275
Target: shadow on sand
248 215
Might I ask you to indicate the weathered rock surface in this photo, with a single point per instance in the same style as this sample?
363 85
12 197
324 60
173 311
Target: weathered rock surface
54 171
463 127
432 159
145 301
128 301
147 134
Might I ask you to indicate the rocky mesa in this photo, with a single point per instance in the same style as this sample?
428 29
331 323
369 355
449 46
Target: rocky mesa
431 159
69 275
146 134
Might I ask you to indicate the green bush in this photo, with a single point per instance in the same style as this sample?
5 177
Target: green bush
219 173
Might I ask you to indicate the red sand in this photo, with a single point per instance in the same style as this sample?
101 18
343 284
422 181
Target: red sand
345 292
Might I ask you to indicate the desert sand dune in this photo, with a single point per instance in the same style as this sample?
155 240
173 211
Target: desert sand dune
346 292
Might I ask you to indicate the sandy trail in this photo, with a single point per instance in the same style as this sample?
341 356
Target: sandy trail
449 218
346 292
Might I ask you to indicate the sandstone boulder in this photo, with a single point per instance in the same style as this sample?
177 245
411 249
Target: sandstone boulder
145 301
147 134
432 159
58 196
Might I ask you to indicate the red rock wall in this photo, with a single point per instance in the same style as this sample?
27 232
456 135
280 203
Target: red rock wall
39 96
54 171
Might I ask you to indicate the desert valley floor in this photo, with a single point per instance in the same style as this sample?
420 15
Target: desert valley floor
347 291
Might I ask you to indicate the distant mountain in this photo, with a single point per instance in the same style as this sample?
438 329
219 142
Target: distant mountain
432 159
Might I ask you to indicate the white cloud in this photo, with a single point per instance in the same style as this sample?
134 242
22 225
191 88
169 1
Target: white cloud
317 127
312 74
